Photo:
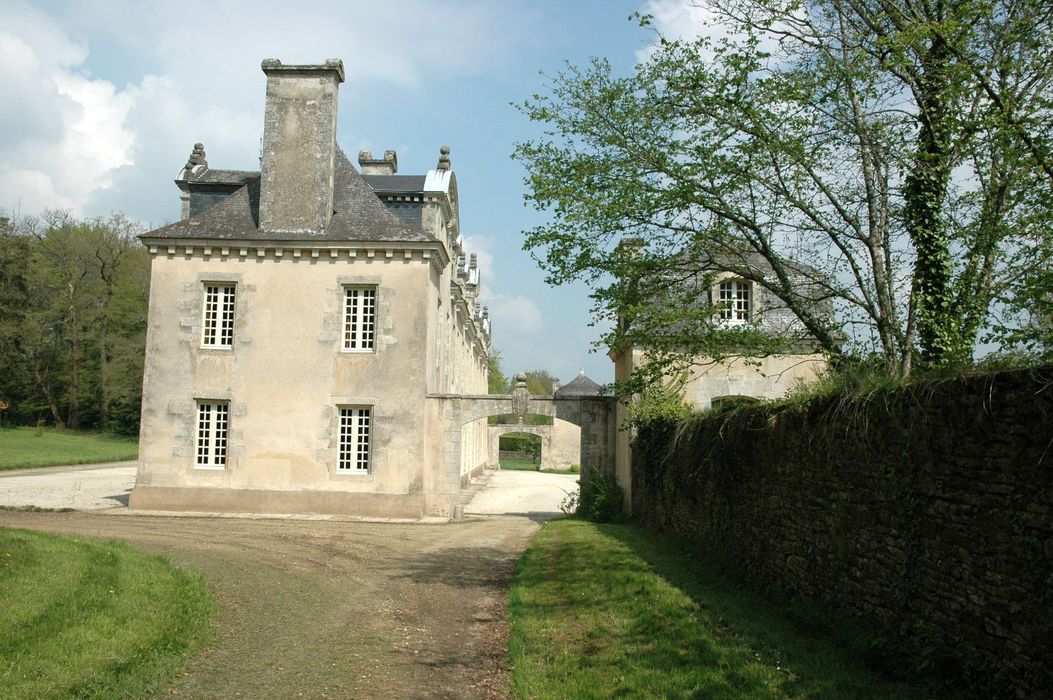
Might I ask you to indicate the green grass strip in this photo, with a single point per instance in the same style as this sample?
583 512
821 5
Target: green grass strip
611 611
519 465
24 448
87 619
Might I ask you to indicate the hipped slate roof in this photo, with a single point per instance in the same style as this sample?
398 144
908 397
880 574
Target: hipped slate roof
580 386
358 214
396 183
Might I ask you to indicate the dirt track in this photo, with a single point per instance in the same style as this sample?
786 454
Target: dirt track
322 609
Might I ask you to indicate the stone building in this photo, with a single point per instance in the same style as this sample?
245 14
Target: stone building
300 316
566 437
709 382
560 442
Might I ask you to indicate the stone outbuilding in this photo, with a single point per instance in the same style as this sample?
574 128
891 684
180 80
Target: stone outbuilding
300 316
709 382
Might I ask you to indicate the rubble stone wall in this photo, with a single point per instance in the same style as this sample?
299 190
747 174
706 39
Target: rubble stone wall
926 510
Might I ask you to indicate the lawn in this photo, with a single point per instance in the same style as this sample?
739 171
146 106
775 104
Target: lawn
601 611
92 619
31 447
522 465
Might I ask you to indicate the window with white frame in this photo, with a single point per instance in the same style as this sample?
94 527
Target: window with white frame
355 429
218 325
213 421
360 318
734 299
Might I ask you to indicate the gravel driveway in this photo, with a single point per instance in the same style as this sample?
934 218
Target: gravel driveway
337 609
89 487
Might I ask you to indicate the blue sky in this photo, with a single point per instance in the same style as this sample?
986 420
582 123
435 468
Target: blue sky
104 101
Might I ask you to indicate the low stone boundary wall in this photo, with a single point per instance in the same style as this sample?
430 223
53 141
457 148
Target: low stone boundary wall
926 510
513 454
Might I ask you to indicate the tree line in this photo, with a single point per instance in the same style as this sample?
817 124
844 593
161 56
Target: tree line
73 303
883 168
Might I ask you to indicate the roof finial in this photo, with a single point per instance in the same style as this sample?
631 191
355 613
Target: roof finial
444 158
197 157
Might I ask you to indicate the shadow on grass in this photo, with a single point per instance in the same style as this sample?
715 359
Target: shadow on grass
825 653
615 611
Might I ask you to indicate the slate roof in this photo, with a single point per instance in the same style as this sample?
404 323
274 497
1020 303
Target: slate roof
359 214
225 177
580 386
391 184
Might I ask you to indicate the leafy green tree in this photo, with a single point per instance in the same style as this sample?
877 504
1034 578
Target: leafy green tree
978 75
809 151
1024 321
497 381
540 382
73 302
15 381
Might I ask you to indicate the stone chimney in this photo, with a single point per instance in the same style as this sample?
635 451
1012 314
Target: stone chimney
368 165
299 145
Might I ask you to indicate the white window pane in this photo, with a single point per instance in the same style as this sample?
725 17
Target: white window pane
354 440
218 320
360 315
734 299
211 433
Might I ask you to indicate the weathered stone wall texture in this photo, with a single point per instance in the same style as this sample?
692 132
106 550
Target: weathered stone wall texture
926 510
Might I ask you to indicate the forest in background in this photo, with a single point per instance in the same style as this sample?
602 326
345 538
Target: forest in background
73 302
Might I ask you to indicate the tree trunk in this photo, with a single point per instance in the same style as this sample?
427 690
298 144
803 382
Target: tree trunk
925 191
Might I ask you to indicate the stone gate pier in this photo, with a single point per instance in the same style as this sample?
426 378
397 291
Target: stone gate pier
595 415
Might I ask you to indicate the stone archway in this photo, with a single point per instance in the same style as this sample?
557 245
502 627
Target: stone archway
544 432
560 442
595 415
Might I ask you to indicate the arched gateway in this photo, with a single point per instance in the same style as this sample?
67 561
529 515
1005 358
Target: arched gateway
593 414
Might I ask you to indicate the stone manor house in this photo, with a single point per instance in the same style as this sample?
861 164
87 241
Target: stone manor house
300 316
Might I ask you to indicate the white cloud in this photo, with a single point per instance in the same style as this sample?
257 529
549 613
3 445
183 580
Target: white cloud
688 20
482 247
29 191
514 316
677 20
64 133
186 72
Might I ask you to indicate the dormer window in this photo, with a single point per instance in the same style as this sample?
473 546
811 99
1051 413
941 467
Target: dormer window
734 299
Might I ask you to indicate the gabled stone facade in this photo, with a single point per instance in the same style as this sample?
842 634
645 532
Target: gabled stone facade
710 381
300 316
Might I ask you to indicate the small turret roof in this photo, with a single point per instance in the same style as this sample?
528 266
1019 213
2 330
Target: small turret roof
580 386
